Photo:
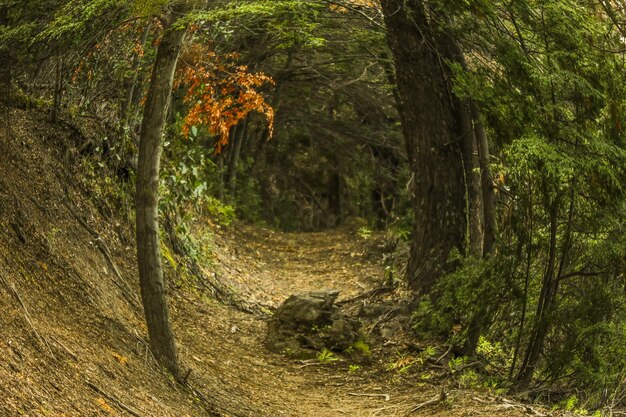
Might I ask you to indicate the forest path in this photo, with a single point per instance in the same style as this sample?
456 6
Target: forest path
73 337
272 265
245 379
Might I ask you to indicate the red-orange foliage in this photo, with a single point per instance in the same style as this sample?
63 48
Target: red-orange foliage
221 93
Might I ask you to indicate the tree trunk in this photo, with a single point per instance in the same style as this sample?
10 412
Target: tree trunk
433 143
489 198
470 128
544 306
239 137
549 290
260 156
148 244
475 212
221 193
335 198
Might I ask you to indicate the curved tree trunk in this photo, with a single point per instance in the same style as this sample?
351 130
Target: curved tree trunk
148 244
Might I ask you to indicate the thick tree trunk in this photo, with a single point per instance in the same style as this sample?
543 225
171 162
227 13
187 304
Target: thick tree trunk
433 143
148 244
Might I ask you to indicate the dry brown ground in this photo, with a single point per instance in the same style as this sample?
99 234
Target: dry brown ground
73 344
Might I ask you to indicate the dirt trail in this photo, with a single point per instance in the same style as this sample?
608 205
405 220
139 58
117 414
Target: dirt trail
271 265
248 380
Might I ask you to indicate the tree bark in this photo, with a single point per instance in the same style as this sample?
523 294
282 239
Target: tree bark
335 197
150 147
475 212
544 306
432 139
471 131
239 136
489 198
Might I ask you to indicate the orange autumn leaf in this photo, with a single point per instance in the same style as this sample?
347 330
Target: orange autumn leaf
220 93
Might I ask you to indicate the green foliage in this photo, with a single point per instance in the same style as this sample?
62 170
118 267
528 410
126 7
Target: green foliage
469 379
147 8
354 368
456 363
550 95
496 357
222 213
403 362
476 288
361 347
326 356
190 177
77 21
293 22
364 232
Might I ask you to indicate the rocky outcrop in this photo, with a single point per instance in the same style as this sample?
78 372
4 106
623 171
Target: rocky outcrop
308 323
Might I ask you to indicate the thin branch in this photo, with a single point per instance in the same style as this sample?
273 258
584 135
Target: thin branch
441 397
113 399
41 339
356 10
384 396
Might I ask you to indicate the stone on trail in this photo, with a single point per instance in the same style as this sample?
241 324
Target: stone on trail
308 323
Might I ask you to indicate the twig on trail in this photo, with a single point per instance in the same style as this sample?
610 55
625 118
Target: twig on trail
444 355
360 285
441 397
317 362
146 346
366 294
527 408
113 400
381 319
41 339
186 377
72 354
221 293
305 364
385 396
